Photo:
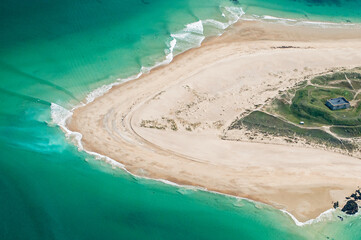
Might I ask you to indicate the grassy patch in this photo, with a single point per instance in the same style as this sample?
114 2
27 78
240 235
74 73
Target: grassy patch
269 124
356 84
347 132
328 79
306 103
309 103
283 108
342 84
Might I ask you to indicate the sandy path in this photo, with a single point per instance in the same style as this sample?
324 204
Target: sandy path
201 92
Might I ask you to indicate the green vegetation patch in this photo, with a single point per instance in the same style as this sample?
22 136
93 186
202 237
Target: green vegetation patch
329 79
347 132
283 108
309 104
342 84
356 84
269 124
300 112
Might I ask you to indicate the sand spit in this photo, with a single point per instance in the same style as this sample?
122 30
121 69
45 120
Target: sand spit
167 124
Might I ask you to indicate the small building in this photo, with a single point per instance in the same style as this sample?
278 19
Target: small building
338 103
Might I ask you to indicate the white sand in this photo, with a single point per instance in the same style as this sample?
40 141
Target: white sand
204 90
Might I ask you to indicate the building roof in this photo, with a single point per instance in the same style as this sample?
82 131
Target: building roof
338 101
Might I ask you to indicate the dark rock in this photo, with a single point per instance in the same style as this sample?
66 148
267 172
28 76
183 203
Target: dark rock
347 197
351 207
341 218
335 205
353 196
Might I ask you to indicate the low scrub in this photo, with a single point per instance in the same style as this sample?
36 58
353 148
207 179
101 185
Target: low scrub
269 124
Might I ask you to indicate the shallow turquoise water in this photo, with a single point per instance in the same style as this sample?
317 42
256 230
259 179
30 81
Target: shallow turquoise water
59 51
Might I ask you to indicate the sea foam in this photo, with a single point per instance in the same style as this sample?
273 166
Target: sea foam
192 35
195 27
297 22
326 215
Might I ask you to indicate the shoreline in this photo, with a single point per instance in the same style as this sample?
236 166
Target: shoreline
208 42
299 22
76 139
115 164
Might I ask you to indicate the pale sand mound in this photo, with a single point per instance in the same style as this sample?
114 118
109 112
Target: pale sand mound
167 124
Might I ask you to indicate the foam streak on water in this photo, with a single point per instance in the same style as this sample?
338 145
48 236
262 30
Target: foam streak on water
294 22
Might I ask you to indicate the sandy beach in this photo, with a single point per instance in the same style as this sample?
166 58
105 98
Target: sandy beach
169 123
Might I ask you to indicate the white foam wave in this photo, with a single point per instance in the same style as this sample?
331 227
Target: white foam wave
169 57
297 22
233 14
189 37
195 27
326 215
190 40
266 17
97 93
59 116
192 35
215 24
110 161
100 91
325 23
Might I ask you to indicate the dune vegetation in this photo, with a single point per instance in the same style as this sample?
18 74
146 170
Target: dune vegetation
301 111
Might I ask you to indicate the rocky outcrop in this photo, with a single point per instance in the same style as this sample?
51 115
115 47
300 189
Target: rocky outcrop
351 207
356 196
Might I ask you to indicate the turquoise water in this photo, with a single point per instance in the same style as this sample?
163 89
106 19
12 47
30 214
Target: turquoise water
58 52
